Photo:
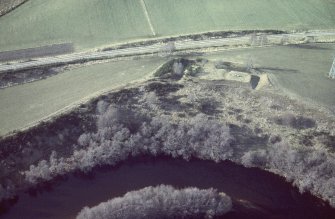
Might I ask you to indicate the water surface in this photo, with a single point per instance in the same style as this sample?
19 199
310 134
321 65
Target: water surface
256 193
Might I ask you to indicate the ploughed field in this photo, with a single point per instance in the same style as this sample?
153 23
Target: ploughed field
88 24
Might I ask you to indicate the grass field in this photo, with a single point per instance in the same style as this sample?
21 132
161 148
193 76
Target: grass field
85 23
25 104
187 16
94 23
299 70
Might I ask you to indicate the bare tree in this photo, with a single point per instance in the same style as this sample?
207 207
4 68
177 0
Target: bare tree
151 100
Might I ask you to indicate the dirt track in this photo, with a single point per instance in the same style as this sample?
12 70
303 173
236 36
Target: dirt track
231 42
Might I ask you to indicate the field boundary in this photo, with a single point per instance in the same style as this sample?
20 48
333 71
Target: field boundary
159 46
146 13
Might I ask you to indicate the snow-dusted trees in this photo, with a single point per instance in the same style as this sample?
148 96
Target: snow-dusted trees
122 134
161 202
308 168
199 137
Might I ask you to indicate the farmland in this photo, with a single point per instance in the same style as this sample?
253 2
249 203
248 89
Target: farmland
82 22
90 24
92 91
299 70
25 104
181 17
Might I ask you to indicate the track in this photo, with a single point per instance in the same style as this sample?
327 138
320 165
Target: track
155 48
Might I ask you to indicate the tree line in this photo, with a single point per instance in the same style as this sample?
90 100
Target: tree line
162 202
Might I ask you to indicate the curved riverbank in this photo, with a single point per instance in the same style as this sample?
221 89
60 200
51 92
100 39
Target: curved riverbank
255 193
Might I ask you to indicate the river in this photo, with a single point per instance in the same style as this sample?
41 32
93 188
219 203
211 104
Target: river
255 193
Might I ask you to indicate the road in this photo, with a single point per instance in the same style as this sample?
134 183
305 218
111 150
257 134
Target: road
155 48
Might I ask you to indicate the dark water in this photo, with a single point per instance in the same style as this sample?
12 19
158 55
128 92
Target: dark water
256 193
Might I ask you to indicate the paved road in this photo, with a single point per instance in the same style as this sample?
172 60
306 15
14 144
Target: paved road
179 45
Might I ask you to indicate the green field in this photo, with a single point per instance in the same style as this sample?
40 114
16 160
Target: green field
85 23
25 104
298 70
187 16
94 23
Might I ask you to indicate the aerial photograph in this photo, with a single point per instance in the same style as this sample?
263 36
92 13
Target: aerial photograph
167 109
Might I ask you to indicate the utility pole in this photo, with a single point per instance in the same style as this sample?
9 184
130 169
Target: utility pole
332 71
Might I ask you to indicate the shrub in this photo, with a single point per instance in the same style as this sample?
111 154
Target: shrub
173 69
114 141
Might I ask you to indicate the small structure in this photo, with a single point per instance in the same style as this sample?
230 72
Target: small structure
332 71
